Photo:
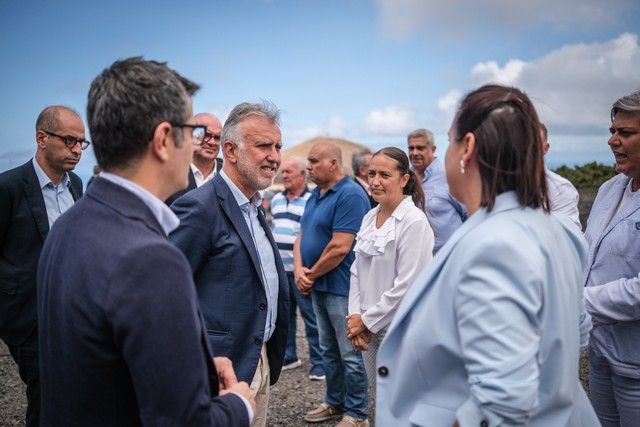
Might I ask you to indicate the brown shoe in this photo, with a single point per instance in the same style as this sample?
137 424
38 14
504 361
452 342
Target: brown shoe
322 413
349 421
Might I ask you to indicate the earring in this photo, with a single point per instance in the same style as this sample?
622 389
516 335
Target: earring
462 167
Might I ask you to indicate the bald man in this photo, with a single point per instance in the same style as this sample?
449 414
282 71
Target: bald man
205 163
32 197
322 258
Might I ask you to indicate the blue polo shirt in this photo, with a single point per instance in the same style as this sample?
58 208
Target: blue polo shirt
340 209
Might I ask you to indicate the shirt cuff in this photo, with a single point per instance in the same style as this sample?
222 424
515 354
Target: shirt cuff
246 405
470 415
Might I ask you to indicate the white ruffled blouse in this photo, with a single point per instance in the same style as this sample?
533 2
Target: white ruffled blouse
388 259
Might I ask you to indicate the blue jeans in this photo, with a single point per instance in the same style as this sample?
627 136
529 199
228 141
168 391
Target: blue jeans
310 327
615 398
343 366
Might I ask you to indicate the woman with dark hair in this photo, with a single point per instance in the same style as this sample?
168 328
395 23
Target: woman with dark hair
394 243
490 332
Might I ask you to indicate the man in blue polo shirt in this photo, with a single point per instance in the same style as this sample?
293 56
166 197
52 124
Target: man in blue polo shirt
322 258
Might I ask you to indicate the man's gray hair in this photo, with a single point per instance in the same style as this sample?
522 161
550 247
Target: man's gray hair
300 163
126 103
241 112
628 103
423 133
358 160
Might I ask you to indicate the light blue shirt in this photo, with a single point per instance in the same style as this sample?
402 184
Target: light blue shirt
57 199
165 216
264 249
444 212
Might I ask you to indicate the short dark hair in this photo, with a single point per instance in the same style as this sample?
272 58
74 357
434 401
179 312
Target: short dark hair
126 103
508 144
414 186
49 117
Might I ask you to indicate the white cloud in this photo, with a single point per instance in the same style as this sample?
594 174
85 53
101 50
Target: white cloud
575 84
490 71
390 120
400 18
572 87
449 102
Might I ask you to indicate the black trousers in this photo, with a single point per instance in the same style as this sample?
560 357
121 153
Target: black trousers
26 357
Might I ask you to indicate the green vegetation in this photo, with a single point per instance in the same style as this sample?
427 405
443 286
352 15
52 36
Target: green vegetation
592 174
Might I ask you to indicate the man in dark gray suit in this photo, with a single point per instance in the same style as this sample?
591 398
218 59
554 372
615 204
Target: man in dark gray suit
121 337
32 197
241 282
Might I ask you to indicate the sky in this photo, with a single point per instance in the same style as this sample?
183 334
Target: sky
366 71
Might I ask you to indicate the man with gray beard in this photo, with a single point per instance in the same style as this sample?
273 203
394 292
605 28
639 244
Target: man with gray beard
240 280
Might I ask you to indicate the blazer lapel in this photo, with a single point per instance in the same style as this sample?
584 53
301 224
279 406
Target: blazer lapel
611 203
235 215
35 200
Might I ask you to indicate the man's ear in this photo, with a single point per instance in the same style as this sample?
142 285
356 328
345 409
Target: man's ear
41 139
161 140
230 151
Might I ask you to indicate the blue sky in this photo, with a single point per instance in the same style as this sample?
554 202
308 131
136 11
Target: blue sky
367 71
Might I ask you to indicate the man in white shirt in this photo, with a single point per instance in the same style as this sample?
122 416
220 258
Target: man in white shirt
563 196
205 163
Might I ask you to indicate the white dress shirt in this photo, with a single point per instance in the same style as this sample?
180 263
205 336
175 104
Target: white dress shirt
199 177
563 197
387 261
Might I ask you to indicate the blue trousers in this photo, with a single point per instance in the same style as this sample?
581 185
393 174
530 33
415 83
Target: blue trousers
615 398
309 317
346 378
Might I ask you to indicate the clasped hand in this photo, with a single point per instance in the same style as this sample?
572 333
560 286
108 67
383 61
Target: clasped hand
357 332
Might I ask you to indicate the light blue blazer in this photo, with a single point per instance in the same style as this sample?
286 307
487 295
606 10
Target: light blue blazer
490 332
612 278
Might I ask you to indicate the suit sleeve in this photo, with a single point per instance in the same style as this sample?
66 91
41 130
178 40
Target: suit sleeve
152 307
616 301
192 236
496 304
5 212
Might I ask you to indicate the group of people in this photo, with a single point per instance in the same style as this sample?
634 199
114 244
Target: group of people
456 292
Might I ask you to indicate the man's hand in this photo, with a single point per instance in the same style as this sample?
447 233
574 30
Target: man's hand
226 375
242 388
355 326
303 281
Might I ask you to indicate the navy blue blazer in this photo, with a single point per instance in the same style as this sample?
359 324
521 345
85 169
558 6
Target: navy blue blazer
23 227
122 340
218 244
192 184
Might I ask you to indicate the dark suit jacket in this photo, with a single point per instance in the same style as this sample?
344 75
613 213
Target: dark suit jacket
372 202
122 340
217 242
192 184
23 227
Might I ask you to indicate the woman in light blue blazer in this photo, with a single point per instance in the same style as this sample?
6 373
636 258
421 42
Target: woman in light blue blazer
612 279
490 332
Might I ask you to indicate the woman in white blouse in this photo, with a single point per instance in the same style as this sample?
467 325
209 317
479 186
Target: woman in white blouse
393 245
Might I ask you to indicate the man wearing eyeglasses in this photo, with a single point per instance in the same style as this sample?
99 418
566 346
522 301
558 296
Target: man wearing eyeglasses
32 197
122 340
205 163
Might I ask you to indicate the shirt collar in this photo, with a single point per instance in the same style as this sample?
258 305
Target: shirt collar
305 190
198 173
334 187
241 199
364 183
165 216
43 178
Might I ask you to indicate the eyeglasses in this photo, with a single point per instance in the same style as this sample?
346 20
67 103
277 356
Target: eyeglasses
70 141
198 132
209 136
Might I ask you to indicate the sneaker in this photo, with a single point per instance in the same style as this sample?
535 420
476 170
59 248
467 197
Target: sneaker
322 413
291 364
349 421
317 373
